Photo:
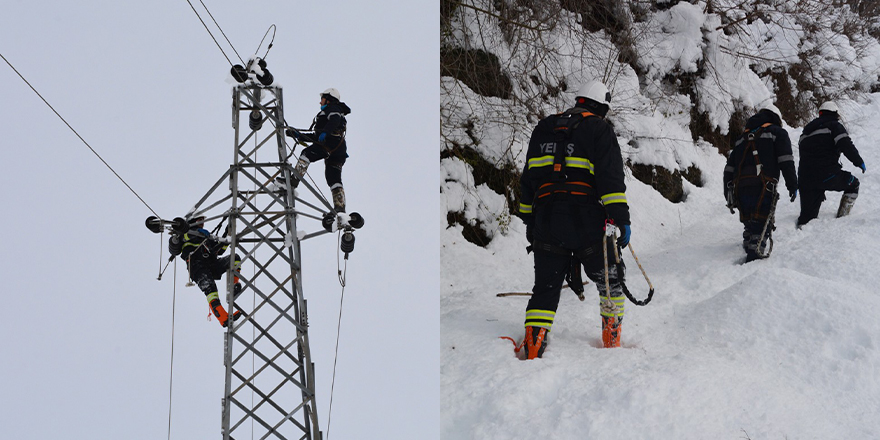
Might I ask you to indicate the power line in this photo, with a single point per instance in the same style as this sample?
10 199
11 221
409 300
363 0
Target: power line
212 35
80 137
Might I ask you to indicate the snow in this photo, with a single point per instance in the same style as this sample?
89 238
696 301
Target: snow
781 348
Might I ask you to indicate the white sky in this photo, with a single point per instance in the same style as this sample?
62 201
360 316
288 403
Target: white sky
87 328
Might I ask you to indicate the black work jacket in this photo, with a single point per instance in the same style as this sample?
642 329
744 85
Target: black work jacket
589 179
774 152
190 245
821 143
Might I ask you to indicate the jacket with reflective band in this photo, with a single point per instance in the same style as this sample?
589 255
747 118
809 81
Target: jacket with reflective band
193 240
330 120
774 152
821 143
593 166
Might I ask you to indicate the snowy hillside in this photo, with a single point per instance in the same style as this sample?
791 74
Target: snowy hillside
784 348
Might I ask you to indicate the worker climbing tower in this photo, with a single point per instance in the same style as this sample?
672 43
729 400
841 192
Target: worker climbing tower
270 379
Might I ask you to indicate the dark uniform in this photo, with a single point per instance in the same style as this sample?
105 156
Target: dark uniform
201 252
328 143
566 199
751 179
821 143
330 121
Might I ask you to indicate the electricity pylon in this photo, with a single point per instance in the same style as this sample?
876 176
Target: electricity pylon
270 378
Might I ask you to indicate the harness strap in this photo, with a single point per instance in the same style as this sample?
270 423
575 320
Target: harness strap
573 188
766 182
566 123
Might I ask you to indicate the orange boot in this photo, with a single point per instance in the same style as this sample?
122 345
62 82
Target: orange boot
219 312
535 342
611 328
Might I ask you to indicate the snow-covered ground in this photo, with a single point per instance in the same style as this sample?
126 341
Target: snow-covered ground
784 348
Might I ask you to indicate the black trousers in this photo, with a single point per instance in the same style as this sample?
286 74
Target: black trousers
203 271
550 271
812 197
334 156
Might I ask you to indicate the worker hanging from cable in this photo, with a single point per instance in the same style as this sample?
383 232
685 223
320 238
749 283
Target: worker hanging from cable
200 249
327 138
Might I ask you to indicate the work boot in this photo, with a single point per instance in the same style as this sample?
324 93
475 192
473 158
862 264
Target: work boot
219 312
846 204
338 199
611 328
301 166
535 342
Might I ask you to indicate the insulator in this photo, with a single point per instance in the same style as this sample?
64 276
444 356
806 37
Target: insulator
239 73
255 121
347 245
266 79
356 220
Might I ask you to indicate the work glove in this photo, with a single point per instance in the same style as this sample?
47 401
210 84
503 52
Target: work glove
623 240
292 133
793 194
862 166
321 137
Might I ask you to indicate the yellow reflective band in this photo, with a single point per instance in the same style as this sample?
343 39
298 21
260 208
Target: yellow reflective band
212 296
537 313
578 162
608 199
542 161
525 209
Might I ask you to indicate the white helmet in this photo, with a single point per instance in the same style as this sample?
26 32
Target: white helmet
772 108
596 91
332 92
829 106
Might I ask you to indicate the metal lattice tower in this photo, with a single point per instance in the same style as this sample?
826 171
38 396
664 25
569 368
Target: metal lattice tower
270 379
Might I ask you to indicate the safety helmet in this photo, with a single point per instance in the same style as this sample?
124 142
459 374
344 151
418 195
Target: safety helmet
197 222
333 93
829 106
772 108
596 91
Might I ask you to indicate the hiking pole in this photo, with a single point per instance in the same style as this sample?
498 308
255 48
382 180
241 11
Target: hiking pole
503 294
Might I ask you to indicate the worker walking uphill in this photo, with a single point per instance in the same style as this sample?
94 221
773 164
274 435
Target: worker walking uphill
821 143
200 250
752 175
573 182
327 142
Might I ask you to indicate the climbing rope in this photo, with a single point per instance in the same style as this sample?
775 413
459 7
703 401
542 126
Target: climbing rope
341 273
607 304
80 137
171 374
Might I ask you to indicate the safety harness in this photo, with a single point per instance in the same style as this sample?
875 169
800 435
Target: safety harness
565 126
752 176
749 177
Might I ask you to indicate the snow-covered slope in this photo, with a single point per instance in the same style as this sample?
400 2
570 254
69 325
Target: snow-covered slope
784 348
